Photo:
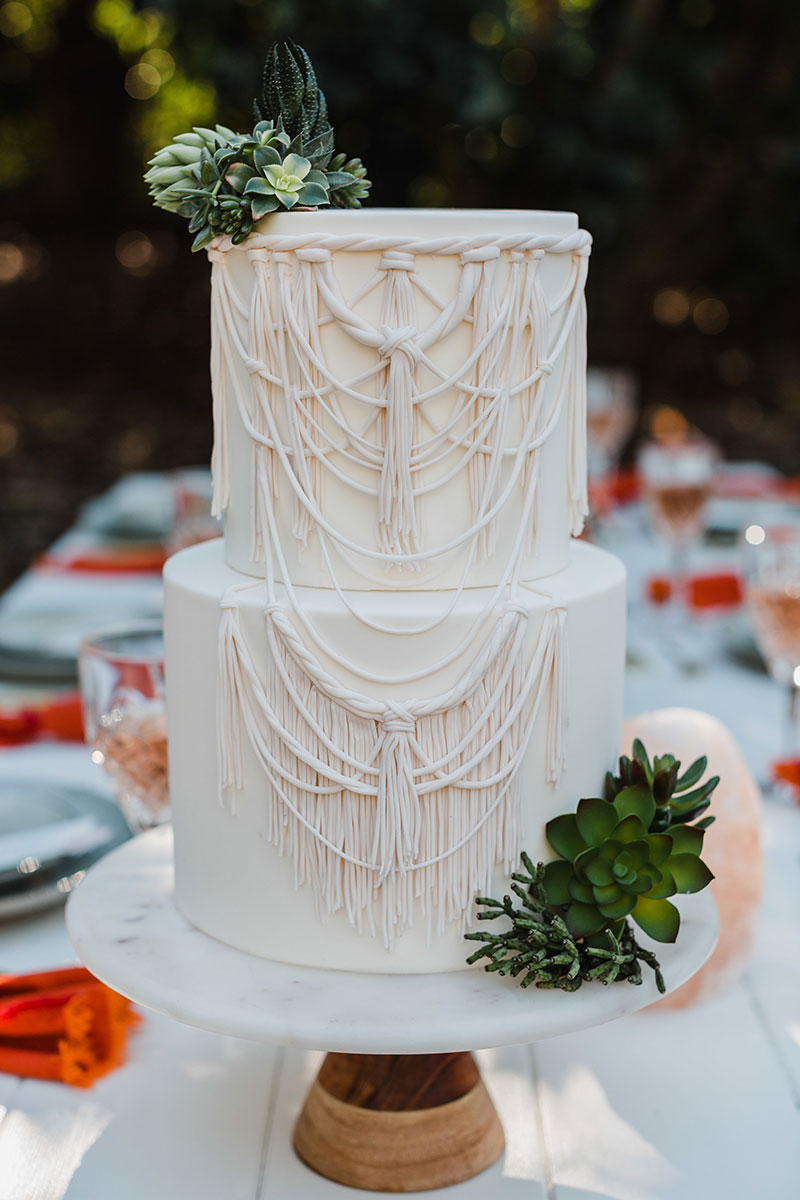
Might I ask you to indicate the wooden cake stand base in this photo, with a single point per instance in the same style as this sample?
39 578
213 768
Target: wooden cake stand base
399 1122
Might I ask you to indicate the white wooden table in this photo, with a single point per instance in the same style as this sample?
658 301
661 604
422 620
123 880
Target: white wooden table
698 1104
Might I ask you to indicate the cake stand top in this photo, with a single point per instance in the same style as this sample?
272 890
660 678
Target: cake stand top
127 931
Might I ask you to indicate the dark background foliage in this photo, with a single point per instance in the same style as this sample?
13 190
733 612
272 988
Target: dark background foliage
670 126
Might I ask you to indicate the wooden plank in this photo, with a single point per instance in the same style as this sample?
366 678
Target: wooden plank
670 1106
774 976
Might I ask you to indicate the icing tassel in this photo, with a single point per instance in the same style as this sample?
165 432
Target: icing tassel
575 370
220 366
397 516
230 698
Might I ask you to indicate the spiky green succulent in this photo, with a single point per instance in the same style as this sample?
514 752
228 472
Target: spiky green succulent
173 167
348 181
610 866
293 103
676 798
224 181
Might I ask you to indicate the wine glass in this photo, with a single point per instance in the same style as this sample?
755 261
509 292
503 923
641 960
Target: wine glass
610 417
122 687
771 558
677 474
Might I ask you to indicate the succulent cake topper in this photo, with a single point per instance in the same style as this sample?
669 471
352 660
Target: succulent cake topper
224 182
618 857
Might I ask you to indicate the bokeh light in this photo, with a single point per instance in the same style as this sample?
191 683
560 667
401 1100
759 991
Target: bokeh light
671 306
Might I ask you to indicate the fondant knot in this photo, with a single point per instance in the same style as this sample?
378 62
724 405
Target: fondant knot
271 609
215 256
313 254
396 260
259 254
402 341
282 257
480 254
516 606
396 719
546 366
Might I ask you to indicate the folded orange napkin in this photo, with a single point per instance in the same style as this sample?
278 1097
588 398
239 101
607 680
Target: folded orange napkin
787 770
62 1025
58 717
147 559
722 589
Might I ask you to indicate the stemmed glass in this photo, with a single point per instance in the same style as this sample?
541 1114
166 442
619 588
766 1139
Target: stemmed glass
677 474
771 558
122 687
610 417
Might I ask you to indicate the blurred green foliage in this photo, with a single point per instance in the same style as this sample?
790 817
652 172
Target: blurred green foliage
671 126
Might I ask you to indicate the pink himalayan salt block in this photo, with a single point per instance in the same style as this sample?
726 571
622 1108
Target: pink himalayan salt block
732 845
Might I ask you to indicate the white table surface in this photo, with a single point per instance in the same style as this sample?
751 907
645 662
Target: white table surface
697 1104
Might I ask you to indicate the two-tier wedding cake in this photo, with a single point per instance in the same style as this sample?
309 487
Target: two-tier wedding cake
398 665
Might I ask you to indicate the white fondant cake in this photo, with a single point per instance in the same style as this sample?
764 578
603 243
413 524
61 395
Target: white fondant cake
398 668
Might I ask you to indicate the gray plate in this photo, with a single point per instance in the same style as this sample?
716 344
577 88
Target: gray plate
49 836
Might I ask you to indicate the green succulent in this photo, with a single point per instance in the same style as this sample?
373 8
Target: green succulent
293 103
269 177
611 867
224 181
172 167
347 179
537 948
675 802
213 207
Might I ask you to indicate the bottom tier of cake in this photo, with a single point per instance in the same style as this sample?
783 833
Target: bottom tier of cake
275 863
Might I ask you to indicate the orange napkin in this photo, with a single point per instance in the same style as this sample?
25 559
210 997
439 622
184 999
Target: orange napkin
721 590
141 560
62 1025
787 770
59 717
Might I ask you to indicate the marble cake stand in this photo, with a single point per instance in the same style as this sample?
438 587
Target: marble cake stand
399 1104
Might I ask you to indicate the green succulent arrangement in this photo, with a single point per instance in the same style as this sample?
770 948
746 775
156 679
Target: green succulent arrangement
224 182
620 856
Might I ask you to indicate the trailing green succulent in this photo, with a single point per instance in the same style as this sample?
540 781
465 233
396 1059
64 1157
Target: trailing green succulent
348 181
540 947
611 867
675 802
224 181
174 167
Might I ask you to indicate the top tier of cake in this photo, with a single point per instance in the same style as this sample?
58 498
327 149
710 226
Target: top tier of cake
399 396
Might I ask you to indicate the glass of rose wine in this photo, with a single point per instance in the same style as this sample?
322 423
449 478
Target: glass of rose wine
122 688
677 474
772 575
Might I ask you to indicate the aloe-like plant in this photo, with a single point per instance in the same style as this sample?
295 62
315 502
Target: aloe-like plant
610 866
676 798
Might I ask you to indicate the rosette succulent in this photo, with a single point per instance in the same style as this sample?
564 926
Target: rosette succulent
676 798
269 177
611 867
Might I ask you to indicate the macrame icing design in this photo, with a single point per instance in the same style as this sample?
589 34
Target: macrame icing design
381 803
